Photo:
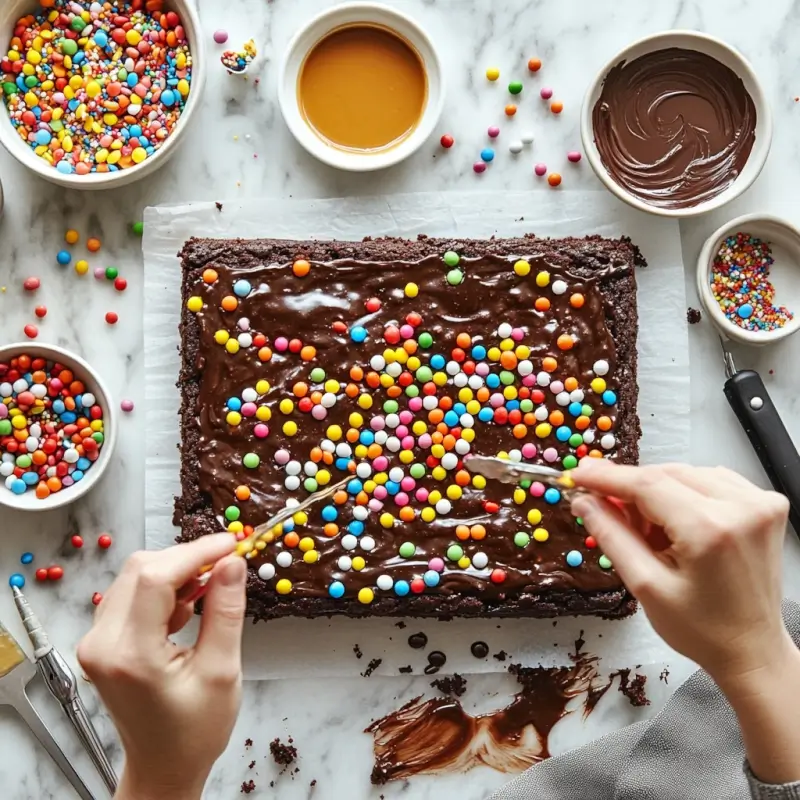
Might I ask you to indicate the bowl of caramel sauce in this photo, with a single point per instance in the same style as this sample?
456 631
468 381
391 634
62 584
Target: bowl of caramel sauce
361 87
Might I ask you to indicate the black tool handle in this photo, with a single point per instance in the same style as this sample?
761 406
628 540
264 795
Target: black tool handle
748 398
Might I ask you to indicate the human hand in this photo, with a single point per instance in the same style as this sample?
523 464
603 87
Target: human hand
174 707
701 549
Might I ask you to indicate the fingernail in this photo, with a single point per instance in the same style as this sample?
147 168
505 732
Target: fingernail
231 572
584 505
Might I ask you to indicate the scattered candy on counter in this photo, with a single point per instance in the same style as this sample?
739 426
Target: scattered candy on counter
41 574
104 541
220 37
493 132
77 541
31 331
96 87
534 64
515 87
63 257
71 236
55 573
447 141
93 245
26 558
112 318
137 228
479 167
487 154
574 156
556 106
31 284
17 580
406 459
126 405
554 179
546 93
540 169
515 147
510 110
239 61
40 311
97 598
492 74
51 428
741 285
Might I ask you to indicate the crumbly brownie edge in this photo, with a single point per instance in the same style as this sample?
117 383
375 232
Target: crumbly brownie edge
584 257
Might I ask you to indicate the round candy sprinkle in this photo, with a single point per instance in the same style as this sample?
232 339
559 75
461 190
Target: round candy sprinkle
31 284
137 228
527 138
554 179
71 236
455 277
493 131
534 64
492 73
487 154
126 405
220 37
251 460
40 311
111 273
77 541
605 562
93 245
26 558
540 169
31 331
556 106
451 258
112 318
574 156
515 147
510 110
447 141
101 86
55 573
104 541
479 166
515 87
546 93
574 558
120 284
81 267
63 257
17 580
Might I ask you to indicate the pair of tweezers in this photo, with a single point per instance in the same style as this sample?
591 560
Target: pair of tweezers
505 471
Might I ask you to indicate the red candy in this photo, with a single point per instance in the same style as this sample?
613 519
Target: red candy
40 311
104 541
55 574
77 541
31 331
97 598
447 141
112 318
41 574
31 284
120 284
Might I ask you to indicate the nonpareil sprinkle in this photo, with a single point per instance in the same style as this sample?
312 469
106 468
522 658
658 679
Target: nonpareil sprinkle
741 286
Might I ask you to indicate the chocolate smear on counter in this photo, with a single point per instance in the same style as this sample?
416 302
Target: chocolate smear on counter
251 765
693 316
219 206
674 127
400 624
454 685
371 667
248 742
664 676
438 735
357 651
417 640
407 670
479 649
436 660
501 656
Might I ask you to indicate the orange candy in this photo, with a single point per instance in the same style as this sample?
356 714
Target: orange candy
556 107
39 457
300 389
565 342
356 373
340 497
462 478
577 300
549 364
42 491
511 109
242 492
462 532
291 539
571 384
316 454
556 418
92 245
407 514
352 390
301 268
520 431
210 275
463 340
308 352
229 303
554 179
330 529
508 360
264 354
54 484
542 304
477 532
534 64
582 423
604 423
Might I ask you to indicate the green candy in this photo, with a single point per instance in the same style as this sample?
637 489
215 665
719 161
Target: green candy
122 74
412 391
587 410
317 375
425 340
77 24
232 513
525 483
31 81
138 228
407 549
417 471
23 461
112 273
251 460
454 552
507 378
570 462
10 88
455 277
605 562
522 539
579 520
5 427
56 125
69 47
310 485
99 437
576 440
525 406
423 374
391 406
515 87
451 258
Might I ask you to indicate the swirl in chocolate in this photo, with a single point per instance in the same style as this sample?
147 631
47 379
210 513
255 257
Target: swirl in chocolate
674 128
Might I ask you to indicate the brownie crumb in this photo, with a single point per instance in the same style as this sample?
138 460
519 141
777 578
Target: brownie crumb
400 625
313 783
282 754
452 686
406 670
248 742
664 675
251 765
371 667
219 206
271 784
248 786
633 688
501 656
693 316
357 651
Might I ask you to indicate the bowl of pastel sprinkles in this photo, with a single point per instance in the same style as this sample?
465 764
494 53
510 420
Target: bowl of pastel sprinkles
97 94
57 430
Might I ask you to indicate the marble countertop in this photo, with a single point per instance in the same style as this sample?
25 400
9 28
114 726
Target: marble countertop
240 148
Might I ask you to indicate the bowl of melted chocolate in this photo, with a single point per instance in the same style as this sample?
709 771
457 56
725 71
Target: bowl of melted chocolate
677 124
361 86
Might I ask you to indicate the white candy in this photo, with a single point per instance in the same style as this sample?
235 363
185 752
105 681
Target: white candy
249 395
31 444
10 481
525 367
588 437
327 446
462 447
363 470
444 506
381 437
10 457
71 456
559 287
480 560
20 385
527 137
243 324
367 543
460 380
515 147
35 430
504 330
475 382
449 460
292 502
396 474
393 444
7 468
600 367
293 468
384 582
284 559
608 441
543 379
37 390
430 401
392 421
343 450
394 369
328 400
292 483
541 413
576 396
310 469
515 456
344 563
377 362
6 388
244 339
467 421
88 399
360 513
266 572
349 542
452 368
51 472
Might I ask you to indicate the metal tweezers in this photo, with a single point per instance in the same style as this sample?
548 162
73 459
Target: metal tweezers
500 469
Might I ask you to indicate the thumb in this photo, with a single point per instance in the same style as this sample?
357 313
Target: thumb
632 557
220 636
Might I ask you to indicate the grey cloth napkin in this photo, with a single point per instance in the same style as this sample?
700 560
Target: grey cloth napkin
691 749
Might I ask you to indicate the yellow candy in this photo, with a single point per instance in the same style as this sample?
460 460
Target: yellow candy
311 557
364 401
113 119
233 418
93 88
290 428
232 346
439 473
359 563
220 337
133 37
101 156
386 519
380 478
519 496
286 406
473 407
493 354
541 535
263 414
366 595
543 430
356 420
434 497
306 544
183 87
440 378
19 422
507 344
300 518
542 278
401 356
465 394
262 386
323 477
428 514
414 363
510 392
468 434
522 268
180 63
331 386
369 486
243 548
283 586
437 451
406 456
598 385
235 527
195 304
361 451
534 516
139 154
478 481
464 562
411 290
492 73
31 99
115 156
34 57
96 425
334 433
386 380
419 427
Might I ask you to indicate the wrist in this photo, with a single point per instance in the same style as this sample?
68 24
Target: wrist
145 785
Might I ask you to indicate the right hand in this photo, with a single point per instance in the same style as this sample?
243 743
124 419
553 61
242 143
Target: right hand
701 549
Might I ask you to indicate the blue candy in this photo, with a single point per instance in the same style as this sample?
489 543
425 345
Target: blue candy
438 361
83 463
19 486
574 558
485 415
479 352
358 334
563 433
354 486
392 487
59 407
356 527
487 154
76 475
575 409
168 98
241 288
402 588
234 404
336 590
451 419
63 257
329 513
745 311
17 580
431 578
492 381
341 463
43 137
552 496
100 38
30 478
609 398
366 437
26 558
64 167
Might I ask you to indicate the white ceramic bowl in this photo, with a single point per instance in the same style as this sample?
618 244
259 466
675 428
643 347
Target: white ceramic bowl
785 241
318 28
711 46
10 12
94 384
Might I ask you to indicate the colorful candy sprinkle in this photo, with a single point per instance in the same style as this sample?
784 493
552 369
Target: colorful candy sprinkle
492 74
546 93
447 141
95 88
534 64
239 60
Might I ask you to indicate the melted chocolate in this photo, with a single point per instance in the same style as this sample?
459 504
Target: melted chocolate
417 640
436 660
479 649
674 127
282 305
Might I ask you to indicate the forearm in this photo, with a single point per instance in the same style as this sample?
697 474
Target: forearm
767 705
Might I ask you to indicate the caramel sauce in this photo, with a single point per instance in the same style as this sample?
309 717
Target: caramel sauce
10 654
362 87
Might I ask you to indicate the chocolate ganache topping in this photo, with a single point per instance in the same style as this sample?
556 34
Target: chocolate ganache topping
482 540
674 127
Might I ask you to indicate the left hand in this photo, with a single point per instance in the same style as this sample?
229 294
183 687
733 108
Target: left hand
174 707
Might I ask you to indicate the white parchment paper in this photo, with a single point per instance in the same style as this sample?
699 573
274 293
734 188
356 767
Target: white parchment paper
315 648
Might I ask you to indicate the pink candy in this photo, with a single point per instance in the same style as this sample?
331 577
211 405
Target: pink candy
436 564
493 131
574 156
528 450
550 455
537 489
261 431
546 92
540 169
282 457
281 344
479 166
